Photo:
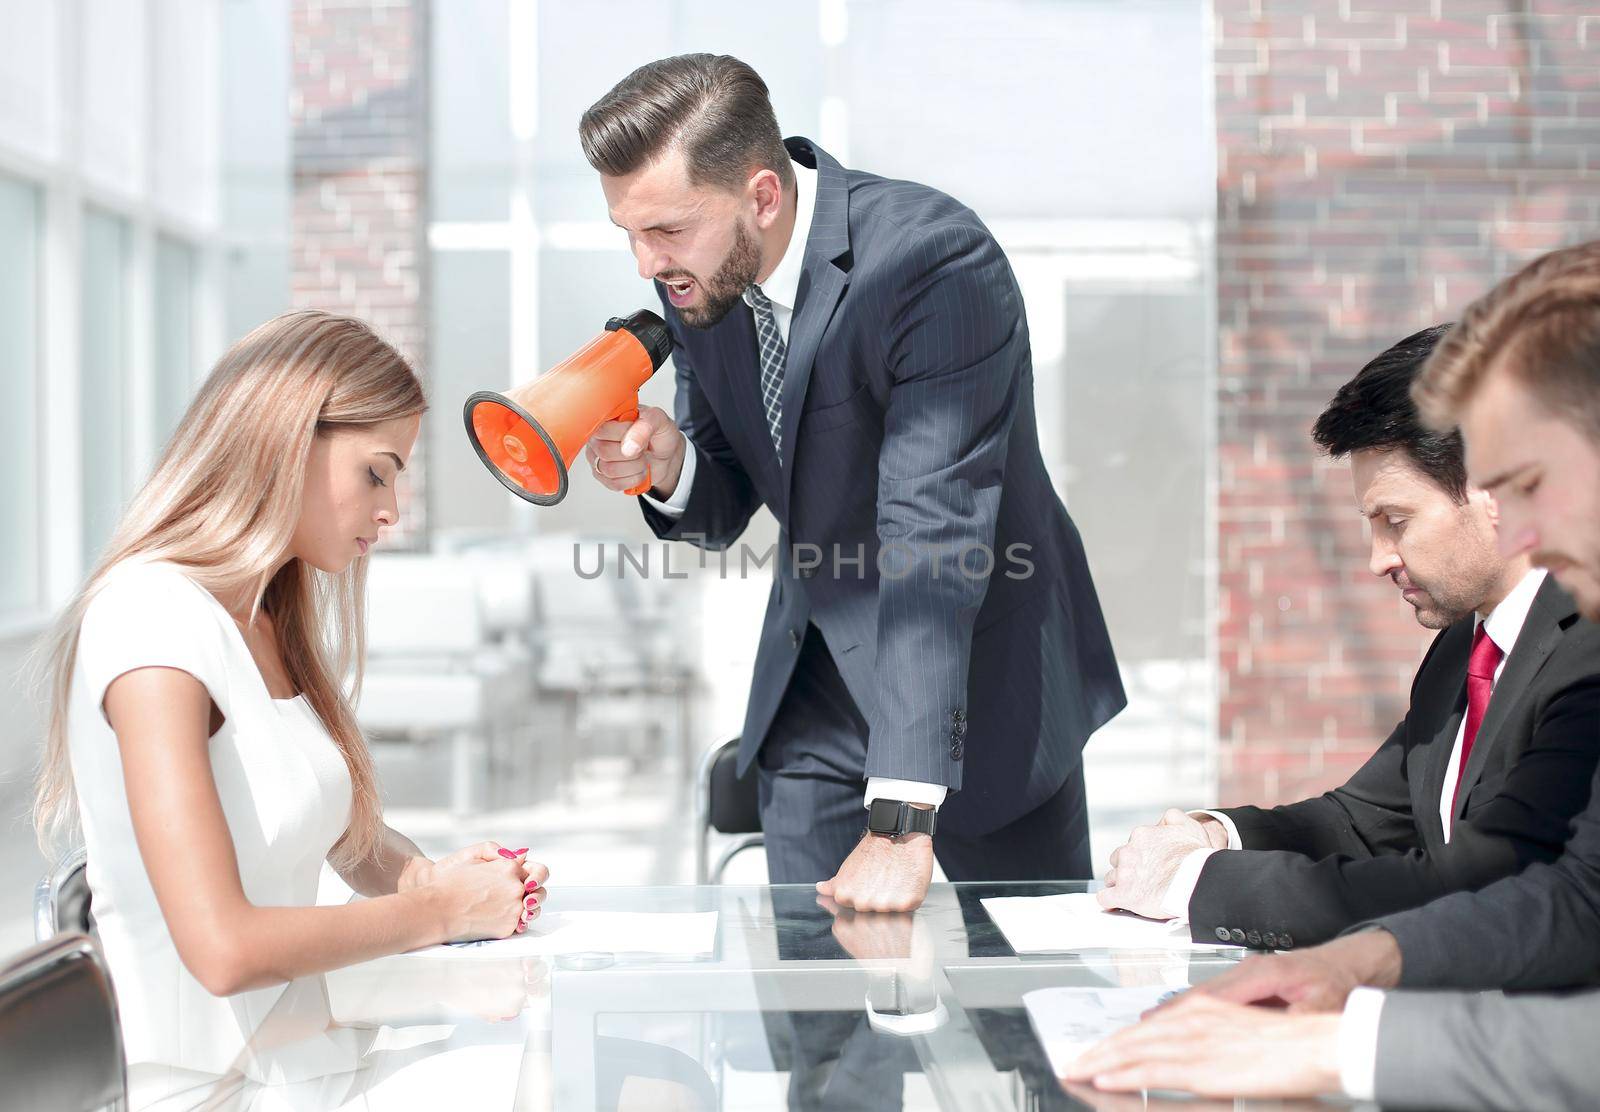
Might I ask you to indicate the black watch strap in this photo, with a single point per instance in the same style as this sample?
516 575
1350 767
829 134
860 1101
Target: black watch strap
894 817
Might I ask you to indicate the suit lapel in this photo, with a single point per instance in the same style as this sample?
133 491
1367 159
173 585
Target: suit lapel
1540 635
1452 697
822 283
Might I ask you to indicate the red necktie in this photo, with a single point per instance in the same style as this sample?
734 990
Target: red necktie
1481 664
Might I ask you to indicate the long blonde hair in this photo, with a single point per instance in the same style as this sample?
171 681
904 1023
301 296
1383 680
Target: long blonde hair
223 502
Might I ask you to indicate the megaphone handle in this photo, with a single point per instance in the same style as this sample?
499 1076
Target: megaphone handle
644 484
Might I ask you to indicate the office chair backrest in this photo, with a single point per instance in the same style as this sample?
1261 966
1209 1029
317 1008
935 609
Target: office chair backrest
61 899
60 1041
734 805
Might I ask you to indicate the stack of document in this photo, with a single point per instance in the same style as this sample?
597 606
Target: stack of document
677 934
1076 921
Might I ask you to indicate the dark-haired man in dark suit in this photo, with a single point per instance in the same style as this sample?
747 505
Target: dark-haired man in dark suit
1492 759
852 353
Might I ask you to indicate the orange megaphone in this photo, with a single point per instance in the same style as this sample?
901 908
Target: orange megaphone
529 437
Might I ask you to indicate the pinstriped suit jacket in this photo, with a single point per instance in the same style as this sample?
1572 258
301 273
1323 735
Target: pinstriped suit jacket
911 465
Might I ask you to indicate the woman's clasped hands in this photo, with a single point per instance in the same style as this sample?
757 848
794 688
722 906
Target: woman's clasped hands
483 891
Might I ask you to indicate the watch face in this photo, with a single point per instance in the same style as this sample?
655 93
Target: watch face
884 816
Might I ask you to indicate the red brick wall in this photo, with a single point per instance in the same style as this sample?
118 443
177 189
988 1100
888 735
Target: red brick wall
358 104
1380 164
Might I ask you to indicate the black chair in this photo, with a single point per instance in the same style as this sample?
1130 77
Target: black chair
60 1040
724 804
61 898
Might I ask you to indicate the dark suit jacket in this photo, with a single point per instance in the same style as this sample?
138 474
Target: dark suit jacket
1376 845
908 423
1539 929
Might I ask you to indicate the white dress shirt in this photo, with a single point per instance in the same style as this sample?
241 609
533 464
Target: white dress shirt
782 288
1358 1043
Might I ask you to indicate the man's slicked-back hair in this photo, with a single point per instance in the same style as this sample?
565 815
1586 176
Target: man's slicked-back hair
1374 411
712 107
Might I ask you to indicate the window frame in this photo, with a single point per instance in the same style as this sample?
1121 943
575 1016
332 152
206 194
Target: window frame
68 188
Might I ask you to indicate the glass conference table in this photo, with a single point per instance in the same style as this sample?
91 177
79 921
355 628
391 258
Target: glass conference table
792 1007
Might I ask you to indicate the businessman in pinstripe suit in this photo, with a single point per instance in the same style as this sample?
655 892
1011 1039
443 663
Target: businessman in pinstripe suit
852 353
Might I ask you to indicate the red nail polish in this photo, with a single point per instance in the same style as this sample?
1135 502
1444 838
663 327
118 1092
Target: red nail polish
531 886
519 852
507 854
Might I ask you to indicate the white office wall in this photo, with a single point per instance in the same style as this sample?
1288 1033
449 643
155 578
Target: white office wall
20 230
30 110
110 238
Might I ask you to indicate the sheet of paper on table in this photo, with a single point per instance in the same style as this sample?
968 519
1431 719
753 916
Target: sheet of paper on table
1075 921
1070 1020
678 934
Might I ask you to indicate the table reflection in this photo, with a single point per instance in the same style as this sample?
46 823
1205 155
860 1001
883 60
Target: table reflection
799 1006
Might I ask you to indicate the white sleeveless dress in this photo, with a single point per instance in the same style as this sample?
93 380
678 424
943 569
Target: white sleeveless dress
285 792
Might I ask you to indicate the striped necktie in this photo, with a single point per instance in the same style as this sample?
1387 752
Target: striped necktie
774 352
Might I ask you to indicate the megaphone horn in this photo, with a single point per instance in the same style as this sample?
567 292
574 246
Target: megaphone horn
528 437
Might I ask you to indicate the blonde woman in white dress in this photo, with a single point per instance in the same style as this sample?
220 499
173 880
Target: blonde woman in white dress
199 730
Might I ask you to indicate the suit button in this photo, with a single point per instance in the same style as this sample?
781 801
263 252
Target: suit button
1222 934
1237 935
1285 942
794 638
1253 939
955 750
1269 940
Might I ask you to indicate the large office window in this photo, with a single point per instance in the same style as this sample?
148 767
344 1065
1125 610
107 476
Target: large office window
104 345
175 370
19 399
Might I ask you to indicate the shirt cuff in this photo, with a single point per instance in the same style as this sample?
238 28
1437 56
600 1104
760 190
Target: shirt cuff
907 791
1180 890
915 1023
1358 1043
1234 841
673 507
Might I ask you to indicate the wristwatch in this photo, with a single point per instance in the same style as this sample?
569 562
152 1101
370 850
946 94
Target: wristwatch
893 818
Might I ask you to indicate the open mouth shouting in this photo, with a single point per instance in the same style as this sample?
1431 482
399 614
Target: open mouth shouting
680 291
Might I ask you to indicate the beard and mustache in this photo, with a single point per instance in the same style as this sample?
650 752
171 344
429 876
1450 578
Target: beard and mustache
726 287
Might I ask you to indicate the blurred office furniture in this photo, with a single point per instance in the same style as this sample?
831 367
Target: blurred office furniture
612 671
600 659
724 804
433 674
61 898
60 1041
